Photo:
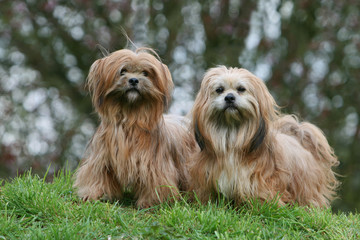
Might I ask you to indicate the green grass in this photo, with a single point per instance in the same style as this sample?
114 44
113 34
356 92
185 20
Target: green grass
31 208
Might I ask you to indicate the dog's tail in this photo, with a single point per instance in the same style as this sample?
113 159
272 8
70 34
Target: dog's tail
313 140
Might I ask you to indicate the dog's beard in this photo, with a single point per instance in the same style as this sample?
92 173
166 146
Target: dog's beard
230 115
225 118
133 95
129 96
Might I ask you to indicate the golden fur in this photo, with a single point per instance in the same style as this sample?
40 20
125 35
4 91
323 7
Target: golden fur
135 147
250 150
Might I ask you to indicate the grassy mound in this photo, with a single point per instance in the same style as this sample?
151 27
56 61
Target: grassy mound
31 208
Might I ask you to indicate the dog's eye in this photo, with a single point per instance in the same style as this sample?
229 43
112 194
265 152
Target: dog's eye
123 71
241 89
145 73
219 90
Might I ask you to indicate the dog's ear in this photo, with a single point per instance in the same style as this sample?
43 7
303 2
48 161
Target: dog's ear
259 136
169 85
93 82
267 105
198 137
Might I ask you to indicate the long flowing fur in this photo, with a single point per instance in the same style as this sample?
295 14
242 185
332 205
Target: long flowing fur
248 149
135 147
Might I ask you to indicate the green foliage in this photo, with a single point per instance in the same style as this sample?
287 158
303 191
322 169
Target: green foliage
31 208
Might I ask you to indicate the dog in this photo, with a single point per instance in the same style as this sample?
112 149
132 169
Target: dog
249 150
135 148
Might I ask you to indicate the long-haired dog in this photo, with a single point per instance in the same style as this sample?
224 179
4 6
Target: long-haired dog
135 148
249 150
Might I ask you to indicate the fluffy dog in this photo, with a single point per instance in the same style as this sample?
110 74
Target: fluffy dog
250 150
135 148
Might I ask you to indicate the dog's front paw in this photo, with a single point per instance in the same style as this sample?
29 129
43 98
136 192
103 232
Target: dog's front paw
142 204
93 196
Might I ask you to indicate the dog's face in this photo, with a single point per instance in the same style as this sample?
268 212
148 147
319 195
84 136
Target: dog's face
232 99
127 80
133 84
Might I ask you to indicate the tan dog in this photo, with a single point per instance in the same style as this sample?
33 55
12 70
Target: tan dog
249 150
135 147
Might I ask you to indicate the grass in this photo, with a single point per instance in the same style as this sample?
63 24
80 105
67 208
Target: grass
31 208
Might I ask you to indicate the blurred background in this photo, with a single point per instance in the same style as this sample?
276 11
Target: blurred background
306 51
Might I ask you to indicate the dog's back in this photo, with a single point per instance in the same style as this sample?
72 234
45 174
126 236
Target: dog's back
314 141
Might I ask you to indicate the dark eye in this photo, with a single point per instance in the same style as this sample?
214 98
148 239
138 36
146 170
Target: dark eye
241 89
145 73
123 71
219 90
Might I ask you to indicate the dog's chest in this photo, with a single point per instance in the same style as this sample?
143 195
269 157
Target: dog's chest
136 153
234 178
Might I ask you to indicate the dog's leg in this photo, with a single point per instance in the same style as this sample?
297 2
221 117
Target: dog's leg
158 195
158 188
93 183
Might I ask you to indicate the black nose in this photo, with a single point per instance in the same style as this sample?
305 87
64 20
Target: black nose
230 98
133 81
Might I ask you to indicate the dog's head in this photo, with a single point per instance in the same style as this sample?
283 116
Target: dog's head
233 99
130 82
